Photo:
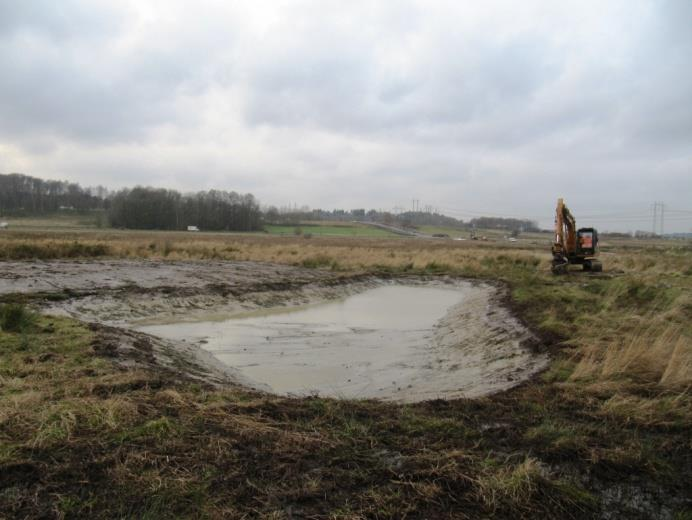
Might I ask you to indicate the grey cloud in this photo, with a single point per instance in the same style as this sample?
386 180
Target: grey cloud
341 89
87 87
60 20
456 102
52 94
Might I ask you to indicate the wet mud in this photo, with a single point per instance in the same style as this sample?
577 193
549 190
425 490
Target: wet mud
397 342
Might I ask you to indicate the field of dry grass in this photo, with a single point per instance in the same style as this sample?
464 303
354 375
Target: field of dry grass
611 416
633 321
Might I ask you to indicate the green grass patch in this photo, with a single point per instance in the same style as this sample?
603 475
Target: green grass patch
158 429
431 426
49 250
559 371
15 317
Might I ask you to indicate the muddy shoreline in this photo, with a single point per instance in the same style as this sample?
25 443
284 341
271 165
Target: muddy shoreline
116 296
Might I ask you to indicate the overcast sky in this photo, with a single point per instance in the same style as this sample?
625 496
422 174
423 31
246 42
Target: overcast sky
474 108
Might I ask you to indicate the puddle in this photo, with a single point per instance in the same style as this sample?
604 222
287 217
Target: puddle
395 342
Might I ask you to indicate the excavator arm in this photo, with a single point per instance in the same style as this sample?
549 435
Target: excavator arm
565 242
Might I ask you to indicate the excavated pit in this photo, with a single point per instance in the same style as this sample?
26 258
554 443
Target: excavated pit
394 342
297 332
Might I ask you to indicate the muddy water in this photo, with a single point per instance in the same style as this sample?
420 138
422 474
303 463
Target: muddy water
392 342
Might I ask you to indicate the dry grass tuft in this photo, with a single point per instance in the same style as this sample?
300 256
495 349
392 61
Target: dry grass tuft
678 372
646 356
669 410
658 353
515 484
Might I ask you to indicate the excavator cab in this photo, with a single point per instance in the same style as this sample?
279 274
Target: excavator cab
587 242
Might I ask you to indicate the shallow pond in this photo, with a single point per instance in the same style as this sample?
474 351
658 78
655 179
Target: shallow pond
382 343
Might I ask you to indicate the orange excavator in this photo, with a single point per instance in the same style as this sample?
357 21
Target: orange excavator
572 245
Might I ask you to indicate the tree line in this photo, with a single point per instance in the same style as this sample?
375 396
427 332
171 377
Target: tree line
156 208
509 224
214 210
407 219
275 215
136 208
25 195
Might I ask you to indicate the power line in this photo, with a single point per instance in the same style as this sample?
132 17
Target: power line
631 216
644 218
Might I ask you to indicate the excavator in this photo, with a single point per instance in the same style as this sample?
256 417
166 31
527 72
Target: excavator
572 245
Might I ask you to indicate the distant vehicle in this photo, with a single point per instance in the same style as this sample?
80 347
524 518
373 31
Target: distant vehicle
512 239
192 228
440 235
4 225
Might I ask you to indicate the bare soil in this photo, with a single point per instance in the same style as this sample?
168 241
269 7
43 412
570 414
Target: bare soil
100 275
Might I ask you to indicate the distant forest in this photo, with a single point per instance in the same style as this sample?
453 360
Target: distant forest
150 208
137 208
24 195
407 219
214 210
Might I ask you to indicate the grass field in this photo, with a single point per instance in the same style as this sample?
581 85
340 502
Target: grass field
59 222
611 417
328 229
66 221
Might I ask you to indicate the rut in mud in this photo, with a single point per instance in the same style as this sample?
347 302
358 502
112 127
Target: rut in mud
295 331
